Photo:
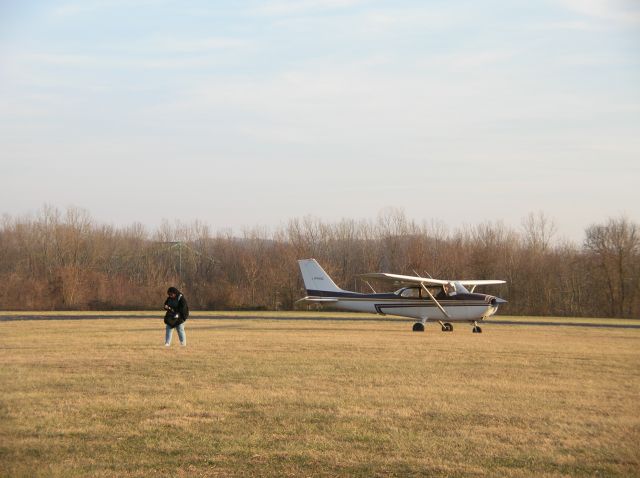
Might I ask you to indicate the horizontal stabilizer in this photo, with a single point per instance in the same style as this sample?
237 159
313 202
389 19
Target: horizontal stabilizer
316 299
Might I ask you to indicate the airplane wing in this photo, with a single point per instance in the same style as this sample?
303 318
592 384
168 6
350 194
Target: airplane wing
481 282
400 279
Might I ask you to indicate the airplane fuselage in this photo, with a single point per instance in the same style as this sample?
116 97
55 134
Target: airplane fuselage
421 298
460 307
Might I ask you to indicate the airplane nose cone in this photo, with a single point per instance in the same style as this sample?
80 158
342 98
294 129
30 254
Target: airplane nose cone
497 301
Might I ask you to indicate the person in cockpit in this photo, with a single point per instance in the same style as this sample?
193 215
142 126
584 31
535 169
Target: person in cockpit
449 289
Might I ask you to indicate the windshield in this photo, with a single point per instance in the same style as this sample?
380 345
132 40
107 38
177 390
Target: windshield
459 288
453 288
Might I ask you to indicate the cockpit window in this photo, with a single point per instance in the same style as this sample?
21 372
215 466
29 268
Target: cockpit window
410 292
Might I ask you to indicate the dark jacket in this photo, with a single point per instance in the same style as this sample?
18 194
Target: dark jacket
178 306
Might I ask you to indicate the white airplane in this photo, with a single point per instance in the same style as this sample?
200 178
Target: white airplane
421 298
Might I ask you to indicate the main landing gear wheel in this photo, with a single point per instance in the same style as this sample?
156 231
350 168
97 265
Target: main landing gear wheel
447 327
477 330
418 327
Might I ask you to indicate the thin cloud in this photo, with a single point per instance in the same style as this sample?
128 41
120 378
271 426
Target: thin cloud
479 59
622 12
294 7
191 45
409 18
115 62
598 60
79 8
65 59
575 25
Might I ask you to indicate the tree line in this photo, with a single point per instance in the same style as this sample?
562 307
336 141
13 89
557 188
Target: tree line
64 260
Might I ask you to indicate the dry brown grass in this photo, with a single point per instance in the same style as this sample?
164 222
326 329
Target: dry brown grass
322 314
298 398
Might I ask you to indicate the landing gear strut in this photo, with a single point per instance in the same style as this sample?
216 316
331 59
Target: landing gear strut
418 327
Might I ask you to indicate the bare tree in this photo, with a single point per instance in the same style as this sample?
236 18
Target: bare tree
616 247
539 231
58 260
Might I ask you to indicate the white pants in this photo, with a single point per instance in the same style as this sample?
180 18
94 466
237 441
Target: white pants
181 334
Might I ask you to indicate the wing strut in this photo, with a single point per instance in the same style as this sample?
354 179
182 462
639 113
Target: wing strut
370 286
434 300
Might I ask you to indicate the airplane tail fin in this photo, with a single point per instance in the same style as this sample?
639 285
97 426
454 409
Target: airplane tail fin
315 278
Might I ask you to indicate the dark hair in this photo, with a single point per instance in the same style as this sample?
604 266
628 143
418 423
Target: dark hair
173 290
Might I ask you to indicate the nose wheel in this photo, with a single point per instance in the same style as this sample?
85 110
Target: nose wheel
476 328
418 327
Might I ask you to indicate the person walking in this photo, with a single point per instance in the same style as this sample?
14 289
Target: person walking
176 315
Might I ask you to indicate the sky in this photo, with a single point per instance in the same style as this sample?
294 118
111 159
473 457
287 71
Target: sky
250 113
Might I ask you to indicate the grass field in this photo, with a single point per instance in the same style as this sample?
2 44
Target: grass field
317 398
297 314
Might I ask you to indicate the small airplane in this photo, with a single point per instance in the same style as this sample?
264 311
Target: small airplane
421 298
